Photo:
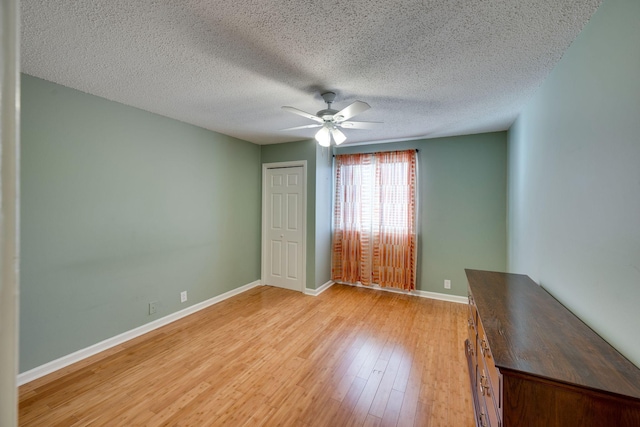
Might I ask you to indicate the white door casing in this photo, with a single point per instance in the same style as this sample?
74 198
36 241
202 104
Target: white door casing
284 225
9 208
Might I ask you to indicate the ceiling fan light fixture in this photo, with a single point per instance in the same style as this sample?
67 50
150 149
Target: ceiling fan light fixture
323 136
338 136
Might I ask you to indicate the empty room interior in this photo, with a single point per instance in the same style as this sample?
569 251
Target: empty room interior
204 198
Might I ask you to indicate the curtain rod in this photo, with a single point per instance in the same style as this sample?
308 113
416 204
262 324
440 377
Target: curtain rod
417 151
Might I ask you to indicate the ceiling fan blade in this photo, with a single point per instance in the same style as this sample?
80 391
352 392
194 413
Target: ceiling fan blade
346 113
338 136
359 125
304 114
304 127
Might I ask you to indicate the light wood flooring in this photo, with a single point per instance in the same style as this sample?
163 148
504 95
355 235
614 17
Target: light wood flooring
350 356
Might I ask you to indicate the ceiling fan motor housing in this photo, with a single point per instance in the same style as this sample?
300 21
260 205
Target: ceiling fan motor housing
326 114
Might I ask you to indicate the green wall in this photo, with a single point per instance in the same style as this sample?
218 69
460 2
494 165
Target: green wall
121 207
462 206
574 178
324 211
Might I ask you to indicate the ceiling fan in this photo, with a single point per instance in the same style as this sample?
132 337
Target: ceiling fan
329 120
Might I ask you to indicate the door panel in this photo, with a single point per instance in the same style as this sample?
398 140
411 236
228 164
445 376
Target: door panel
284 234
276 211
292 260
276 257
292 215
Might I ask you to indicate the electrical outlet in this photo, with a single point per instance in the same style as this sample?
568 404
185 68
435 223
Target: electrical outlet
183 296
447 284
153 307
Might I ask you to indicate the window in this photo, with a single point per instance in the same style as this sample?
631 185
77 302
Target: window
375 238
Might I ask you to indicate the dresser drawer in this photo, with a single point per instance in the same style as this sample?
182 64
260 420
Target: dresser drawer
490 392
471 325
489 414
485 359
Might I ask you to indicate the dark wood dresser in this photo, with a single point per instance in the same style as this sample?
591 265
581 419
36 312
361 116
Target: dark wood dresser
533 363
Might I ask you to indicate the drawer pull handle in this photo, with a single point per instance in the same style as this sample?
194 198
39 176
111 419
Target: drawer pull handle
483 420
484 386
485 348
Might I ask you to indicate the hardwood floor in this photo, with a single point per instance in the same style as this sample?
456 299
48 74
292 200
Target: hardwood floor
350 356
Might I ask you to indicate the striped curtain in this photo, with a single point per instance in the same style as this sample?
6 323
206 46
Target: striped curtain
375 236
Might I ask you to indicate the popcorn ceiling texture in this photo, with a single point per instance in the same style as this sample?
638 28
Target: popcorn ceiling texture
427 67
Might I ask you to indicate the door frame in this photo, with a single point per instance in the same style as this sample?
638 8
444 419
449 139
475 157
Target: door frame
263 258
9 209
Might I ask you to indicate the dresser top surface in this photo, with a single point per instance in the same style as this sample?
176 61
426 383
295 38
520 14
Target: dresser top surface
529 331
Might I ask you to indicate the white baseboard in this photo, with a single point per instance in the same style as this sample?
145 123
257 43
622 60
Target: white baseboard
441 297
318 291
79 355
422 294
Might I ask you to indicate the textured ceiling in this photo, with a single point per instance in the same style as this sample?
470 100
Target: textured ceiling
427 67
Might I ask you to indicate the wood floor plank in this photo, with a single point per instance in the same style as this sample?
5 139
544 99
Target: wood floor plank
411 395
352 371
371 421
322 413
392 410
162 414
350 356
343 415
361 410
385 389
